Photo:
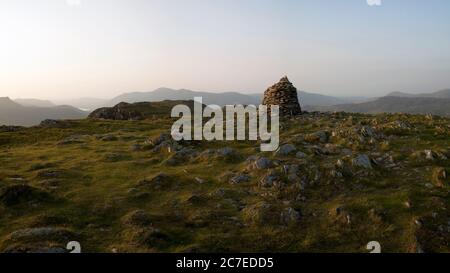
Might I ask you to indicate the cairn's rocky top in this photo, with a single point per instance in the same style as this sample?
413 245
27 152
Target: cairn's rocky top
283 94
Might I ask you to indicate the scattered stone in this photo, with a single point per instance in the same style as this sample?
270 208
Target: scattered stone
300 155
200 180
42 233
367 131
181 156
259 163
290 216
418 223
362 161
292 172
51 123
286 149
75 139
270 180
429 154
348 217
240 178
10 129
320 136
226 152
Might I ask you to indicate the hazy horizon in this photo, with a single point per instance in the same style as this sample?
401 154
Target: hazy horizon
65 49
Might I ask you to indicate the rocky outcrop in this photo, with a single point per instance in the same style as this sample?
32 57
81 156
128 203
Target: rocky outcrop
121 111
283 94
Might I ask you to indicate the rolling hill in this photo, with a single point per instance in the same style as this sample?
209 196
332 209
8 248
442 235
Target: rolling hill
35 102
226 98
12 113
442 94
411 105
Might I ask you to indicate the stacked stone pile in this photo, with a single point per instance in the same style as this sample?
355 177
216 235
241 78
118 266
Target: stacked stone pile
283 94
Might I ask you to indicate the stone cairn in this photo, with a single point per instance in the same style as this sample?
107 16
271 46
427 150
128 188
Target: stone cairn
283 94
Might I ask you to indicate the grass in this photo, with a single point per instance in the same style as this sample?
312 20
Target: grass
95 184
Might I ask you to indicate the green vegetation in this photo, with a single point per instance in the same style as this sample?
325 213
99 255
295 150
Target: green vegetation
124 186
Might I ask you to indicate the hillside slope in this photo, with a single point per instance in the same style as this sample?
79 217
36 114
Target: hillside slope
411 105
12 113
227 98
125 186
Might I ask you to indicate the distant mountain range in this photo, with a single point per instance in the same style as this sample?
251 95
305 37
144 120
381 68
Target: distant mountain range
13 113
35 102
222 99
442 94
31 111
437 103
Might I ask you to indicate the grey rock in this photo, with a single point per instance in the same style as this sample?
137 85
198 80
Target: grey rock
240 178
362 161
429 154
286 149
367 131
226 152
51 123
46 233
263 163
289 216
270 180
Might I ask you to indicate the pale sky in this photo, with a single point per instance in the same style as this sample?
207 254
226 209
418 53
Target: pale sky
55 49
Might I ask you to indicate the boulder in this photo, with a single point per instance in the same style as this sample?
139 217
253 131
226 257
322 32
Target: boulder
286 149
362 161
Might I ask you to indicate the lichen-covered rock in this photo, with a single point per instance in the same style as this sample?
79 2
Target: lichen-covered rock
121 111
286 149
362 161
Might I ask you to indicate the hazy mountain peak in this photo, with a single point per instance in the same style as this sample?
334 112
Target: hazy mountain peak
35 102
6 99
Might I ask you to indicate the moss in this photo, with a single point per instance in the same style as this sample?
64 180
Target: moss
110 196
